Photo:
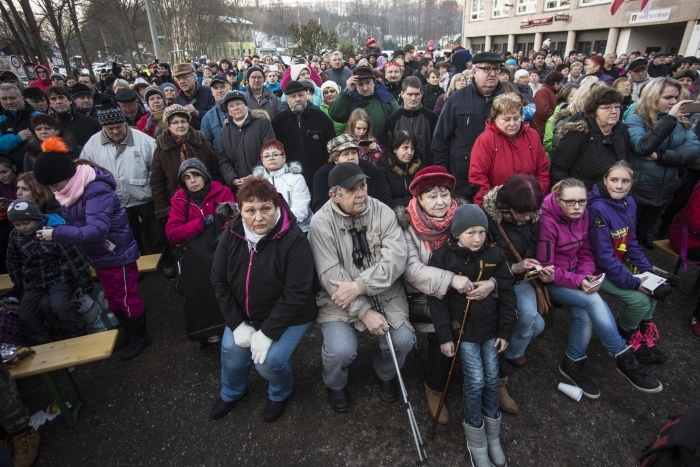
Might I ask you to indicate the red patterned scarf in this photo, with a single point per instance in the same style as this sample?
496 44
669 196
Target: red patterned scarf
429 229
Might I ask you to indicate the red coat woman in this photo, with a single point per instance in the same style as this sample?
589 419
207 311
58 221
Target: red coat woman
545 101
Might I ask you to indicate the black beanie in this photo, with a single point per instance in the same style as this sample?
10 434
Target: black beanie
53 168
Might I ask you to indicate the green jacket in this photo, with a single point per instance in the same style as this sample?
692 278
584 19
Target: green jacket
378 111
339 127
549 133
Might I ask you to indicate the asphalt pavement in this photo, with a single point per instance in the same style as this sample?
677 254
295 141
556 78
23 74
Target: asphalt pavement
154 410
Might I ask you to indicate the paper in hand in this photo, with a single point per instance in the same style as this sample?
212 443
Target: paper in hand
652 280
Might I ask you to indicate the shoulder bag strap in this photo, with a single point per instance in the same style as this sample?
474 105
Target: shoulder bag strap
510 245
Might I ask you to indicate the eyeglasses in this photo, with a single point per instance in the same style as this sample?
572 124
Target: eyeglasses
274 155
610 108
571 202
488 70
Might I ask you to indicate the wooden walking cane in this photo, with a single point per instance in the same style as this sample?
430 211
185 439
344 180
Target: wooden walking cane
431 433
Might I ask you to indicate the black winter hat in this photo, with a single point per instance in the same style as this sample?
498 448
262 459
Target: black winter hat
126 95
251 70
50 168
31 92
109 80
294 86
80 90
24 210
398 53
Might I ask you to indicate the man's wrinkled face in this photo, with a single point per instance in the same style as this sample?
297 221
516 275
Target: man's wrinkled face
365 87
130 109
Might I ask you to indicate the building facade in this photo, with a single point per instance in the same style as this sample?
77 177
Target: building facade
584 25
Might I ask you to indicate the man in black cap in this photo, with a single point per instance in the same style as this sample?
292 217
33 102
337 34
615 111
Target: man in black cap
83 101
463 119
304 131
658 67
214 119
36 98
637 73
91 83
258 96
345 298
128 101
8 77
80 125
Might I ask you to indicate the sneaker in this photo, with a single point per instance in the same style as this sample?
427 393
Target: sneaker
573 371
169 272
26 448
650 334
630 368
695 327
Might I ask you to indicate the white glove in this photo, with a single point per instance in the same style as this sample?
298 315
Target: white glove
242 334
259 346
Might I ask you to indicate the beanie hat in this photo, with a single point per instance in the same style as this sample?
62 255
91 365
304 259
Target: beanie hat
398 53
520 73
153 90
109 80
32 92
467 216
370 42
230 96
511 62
24 210
168 85
296 69
330 84
547 42
429 177
109 114
192 165
59 76
53 165
252 70
80 90
173 110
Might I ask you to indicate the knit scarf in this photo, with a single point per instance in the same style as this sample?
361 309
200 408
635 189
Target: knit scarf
186 150
431 230
73 191
379 90
199 196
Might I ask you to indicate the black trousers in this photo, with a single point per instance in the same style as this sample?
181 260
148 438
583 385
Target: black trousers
144 215
647 217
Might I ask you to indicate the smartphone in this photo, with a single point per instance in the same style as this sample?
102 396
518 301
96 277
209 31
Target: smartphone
273 68
692 108
365 142
597 280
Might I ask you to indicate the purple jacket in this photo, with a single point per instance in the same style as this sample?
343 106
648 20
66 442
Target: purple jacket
98 223
564 244
613 224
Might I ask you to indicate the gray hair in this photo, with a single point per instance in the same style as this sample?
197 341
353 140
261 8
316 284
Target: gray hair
337 52
10 87
335 190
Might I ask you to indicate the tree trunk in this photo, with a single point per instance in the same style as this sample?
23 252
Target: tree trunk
34 35
76 27
58 33
24 34
19 43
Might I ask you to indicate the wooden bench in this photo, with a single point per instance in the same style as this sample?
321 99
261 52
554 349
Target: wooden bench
665 246
64 355
147 263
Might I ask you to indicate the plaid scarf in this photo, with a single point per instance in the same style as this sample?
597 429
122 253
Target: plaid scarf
186 150
431 230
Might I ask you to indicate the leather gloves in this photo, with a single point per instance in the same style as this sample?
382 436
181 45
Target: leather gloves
241 335
259 346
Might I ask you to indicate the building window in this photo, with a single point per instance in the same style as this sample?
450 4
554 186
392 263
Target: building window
477 10
499 9
550 5
525 7
593 2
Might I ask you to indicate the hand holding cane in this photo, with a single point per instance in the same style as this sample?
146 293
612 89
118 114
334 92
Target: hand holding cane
431 433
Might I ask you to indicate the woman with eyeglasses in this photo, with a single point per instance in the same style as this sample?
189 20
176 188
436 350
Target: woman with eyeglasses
564 244
593 140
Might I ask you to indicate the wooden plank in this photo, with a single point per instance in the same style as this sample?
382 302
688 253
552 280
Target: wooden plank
665 245
66 353
148 263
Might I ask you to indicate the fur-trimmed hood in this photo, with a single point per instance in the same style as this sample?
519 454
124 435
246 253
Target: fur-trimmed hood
489 205
291 167
228 209
166 142
390 161
404 219
577 123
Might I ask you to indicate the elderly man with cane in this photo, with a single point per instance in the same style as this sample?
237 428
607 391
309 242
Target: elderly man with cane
360 254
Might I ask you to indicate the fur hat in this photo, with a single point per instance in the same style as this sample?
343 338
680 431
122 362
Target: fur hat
32 92
24 210
429 177
467 216
181 69
80 90
173 110
294 86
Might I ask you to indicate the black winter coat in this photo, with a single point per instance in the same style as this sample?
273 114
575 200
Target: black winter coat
397 177
202 100
462 120
490 318
79 125
240 147
421 122
273 286
430 95
305 137
584 152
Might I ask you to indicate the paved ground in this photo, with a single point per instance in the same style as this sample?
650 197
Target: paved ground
155 410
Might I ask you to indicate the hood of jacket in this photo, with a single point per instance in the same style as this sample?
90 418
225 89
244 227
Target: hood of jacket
552 209
47 81
577 123
102 175
292 167
166 142
489 205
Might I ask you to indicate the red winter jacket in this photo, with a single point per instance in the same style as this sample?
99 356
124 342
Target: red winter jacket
177 229
45 84
496 157
545 101
690 215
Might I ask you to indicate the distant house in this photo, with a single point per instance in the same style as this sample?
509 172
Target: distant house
237 41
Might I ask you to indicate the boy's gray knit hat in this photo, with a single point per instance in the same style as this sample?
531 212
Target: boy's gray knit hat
467 216
24 210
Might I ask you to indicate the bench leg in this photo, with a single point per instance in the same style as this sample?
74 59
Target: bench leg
69 415
696 288
678 267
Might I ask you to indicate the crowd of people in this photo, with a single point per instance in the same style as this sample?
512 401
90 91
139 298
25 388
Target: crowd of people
498 183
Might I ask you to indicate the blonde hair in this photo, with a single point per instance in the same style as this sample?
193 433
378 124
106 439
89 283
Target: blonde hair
589 79
646 105
506 103
453 84
578 102
359 115
620 165
559 187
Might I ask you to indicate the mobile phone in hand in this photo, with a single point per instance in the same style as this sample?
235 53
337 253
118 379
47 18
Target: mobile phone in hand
596 281
692 108
365 142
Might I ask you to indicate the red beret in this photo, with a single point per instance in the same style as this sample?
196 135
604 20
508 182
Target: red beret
429 177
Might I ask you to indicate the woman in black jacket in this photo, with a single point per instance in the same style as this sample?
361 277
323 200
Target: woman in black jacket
398 165
263 276
592 141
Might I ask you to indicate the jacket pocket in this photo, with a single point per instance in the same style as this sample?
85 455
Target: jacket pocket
138 173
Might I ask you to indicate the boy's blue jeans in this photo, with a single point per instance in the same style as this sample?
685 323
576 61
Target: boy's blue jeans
480 366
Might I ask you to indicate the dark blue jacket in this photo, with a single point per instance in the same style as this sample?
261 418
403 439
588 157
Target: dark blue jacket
613 224
98 223
202 100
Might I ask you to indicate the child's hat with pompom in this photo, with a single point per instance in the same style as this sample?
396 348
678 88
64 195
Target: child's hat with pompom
53 165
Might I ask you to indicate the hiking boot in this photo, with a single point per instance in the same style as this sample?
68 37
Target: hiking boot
274 410
635 340
517 362
477 445
140 339
630 368
505 402
26 448
695 326
388 391
433 398
493 433
573 371
650 334
124 334
339 400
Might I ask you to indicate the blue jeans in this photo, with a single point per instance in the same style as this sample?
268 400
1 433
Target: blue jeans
529 324
277 369
590 312
480 367
340 349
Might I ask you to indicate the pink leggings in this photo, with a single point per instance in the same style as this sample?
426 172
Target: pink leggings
121 288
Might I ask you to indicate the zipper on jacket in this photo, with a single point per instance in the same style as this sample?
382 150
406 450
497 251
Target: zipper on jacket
247 283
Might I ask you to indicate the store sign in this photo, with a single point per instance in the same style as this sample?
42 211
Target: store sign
536 22
654 16
562 17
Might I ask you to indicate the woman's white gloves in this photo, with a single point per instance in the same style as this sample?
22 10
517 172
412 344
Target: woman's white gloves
242 334
259 346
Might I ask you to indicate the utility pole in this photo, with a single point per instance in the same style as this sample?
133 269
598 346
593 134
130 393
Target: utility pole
154 33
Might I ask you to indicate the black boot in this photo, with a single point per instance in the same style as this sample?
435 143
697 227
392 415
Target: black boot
635 340
124 335
650 334
140 339
573 371
630 368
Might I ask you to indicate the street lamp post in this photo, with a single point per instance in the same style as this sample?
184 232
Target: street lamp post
152 24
